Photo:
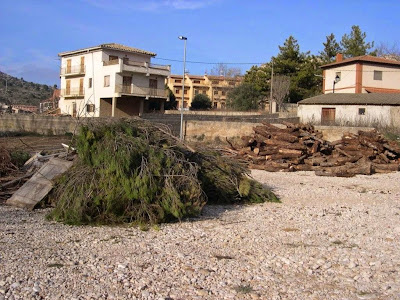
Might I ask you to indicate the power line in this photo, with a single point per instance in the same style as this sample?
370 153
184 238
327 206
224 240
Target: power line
211 63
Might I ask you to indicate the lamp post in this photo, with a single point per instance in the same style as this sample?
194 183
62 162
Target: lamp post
182 38
337 79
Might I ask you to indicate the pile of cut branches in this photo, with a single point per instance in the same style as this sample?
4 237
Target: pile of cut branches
133 171
6 164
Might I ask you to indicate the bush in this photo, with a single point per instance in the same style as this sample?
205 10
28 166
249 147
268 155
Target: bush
244 97
131 171
200 101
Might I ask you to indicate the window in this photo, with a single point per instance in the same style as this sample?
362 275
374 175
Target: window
377 75
196 92
215 92
90 82
196 81
185 92
339 76
178 80
112 57
106 80
177 91
89 108
215 104
361 111
215 82
223 93
204 92
232 83
153 83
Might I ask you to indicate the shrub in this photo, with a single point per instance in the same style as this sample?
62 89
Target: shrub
131 171
200 101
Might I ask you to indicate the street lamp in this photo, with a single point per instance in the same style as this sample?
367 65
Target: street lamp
182 38
337 79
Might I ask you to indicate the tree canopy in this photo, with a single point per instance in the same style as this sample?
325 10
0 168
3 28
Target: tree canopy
244 97
354 44
331 48
200 101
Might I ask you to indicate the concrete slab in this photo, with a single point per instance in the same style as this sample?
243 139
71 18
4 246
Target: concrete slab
40 184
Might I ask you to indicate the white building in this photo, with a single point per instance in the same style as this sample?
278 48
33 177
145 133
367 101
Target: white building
372 109
111 80
361 74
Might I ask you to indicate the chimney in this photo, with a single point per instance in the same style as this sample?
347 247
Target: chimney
339 57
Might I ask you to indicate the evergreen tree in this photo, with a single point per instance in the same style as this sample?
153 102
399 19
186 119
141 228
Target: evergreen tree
244 97
355 44
331 48
260 78
289 59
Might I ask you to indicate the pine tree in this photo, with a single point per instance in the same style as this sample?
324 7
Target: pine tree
355 44
331 48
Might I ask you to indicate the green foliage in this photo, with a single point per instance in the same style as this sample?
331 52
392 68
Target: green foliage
331 48
200 101
21 92
19 157
244 97
355 44
130 171
172 103
260 78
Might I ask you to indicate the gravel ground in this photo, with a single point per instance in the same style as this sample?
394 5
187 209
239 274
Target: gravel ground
330 238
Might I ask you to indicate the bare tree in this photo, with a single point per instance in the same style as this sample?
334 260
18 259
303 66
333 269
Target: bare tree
280 90
388 51
223 70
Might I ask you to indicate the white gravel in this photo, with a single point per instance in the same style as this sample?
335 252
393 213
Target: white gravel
330 238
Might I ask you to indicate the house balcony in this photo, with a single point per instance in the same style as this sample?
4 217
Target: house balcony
73 93
141 91
139 67
73 70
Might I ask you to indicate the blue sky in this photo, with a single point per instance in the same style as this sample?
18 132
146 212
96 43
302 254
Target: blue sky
33 32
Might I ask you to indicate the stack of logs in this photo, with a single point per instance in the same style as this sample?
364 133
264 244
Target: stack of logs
299 147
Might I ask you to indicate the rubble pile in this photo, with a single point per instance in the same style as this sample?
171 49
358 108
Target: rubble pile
299 147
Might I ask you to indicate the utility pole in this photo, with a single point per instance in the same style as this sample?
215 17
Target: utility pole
183 38
271 85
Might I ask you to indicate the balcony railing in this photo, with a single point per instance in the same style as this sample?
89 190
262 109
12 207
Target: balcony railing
73 92
111 62
141 91
73 70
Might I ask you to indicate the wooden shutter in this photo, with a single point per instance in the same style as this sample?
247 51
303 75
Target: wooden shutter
68 87
68 66
81 86
82 64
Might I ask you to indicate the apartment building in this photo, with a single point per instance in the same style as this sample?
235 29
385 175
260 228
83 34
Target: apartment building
111 80
361 74
215 87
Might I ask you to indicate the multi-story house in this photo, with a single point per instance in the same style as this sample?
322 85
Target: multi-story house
111 80
215 87
361 74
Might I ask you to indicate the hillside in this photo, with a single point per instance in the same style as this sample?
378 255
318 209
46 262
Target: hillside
20 91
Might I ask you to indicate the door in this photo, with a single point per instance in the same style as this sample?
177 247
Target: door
68 88
328 116
68 66
153 87
81 87
126 84
82 64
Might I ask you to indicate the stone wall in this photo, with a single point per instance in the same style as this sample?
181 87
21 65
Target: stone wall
46 125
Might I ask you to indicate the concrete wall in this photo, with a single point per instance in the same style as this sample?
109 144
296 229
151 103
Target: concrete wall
348 114
215 113
46 125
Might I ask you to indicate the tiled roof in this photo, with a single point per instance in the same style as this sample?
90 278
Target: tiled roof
363 58
348 99
112 46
